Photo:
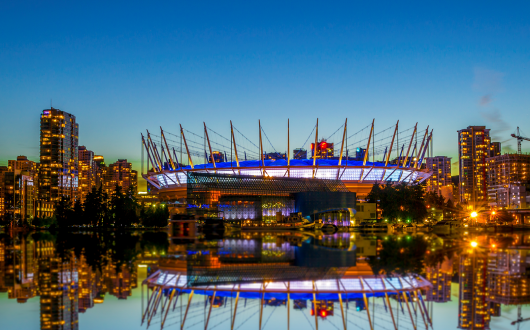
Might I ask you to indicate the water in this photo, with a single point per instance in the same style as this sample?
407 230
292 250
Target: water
110 280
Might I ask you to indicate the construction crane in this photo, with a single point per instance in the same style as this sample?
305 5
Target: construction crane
519 318
519 139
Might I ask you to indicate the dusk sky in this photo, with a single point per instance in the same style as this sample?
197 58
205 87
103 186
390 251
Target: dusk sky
122 68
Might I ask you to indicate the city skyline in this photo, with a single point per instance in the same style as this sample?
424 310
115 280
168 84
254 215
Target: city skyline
127 74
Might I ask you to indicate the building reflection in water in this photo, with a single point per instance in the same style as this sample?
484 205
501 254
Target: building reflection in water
473 308
440 276
279 270
59 293
292 272
64 281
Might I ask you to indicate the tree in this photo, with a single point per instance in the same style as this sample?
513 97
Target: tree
123 207
154 216
399 202
96 208
131 206
434 200
44 222
78 212
64 212
117 207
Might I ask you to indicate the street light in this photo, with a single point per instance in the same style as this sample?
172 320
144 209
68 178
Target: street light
474 215
474 244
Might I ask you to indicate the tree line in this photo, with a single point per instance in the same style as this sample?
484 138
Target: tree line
410 202
121 210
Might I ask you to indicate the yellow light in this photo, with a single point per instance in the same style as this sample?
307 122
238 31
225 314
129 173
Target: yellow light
474 244
474 214
493 212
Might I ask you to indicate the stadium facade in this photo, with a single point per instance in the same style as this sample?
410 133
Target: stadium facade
171 177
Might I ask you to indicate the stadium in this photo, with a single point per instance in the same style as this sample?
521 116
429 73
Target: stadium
389 156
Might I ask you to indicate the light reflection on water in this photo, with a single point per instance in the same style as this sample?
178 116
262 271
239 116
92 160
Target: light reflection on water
94 280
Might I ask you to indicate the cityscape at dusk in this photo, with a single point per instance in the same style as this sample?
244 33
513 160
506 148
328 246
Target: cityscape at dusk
247 165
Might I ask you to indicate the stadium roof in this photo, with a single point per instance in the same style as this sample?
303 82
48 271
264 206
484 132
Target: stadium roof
292 162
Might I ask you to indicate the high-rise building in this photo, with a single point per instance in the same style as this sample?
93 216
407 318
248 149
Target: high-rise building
299 153
474 147
455 183
87 172
323 150
509 180
18 190
100 168
21 188
359 154
59 135
120 173
508 169
3 170
23 164
495 149
274 156
218 156
441 175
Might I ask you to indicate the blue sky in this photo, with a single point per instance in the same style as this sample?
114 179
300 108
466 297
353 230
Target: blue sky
123 67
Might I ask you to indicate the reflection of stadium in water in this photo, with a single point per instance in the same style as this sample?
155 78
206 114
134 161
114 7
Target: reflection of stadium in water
269 257
251 272
370 295
48 275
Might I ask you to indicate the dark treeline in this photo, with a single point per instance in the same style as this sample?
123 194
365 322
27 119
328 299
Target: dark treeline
410 202
121 210
399 201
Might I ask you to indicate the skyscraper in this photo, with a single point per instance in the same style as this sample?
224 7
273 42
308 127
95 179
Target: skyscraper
87 172
440 181
299 153
59 135
99 164
474 147
3 170
18 189
23 164
120 174
509 180
323 149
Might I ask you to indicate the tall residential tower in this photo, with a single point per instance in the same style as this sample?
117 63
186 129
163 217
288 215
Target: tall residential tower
474 147
59 135
87 172
440 181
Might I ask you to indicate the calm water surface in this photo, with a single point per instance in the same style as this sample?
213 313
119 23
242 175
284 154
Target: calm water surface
140 280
